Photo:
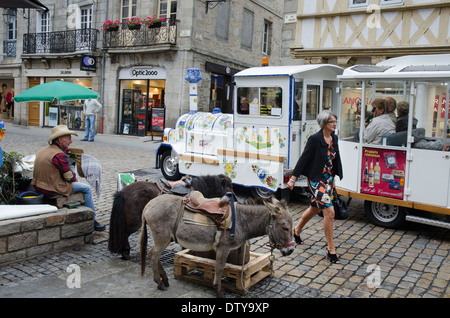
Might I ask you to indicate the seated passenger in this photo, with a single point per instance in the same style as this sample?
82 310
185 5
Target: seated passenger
402 119
244 107
391 104
380 125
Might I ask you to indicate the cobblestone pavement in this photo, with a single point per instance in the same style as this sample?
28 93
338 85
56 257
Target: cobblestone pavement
376 262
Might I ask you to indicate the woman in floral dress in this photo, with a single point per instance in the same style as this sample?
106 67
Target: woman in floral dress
320 162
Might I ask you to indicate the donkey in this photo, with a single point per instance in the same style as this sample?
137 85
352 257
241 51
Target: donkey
126 213
162 215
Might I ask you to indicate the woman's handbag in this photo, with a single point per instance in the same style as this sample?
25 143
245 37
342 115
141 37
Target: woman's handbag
340 207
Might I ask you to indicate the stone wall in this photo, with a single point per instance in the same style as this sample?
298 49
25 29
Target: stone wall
31 236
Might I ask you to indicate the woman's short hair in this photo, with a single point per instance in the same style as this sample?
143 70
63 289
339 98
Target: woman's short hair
380 103
403 108
324 117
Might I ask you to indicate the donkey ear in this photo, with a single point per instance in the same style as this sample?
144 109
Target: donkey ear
223 183
273 209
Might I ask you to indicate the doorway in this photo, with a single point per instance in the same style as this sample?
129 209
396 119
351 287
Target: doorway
139 99
33 107
221 87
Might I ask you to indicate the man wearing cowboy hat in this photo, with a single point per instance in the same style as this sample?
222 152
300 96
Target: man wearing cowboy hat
52 174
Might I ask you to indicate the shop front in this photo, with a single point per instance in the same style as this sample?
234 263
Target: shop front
8 83
68 113
221 92
141 100
50 114
6 98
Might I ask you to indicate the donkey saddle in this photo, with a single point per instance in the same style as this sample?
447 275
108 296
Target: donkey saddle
181 188
216 209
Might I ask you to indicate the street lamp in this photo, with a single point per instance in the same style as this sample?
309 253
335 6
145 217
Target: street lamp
9 15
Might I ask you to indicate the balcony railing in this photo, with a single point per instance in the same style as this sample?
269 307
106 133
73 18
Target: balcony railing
70 41
9 48
166 34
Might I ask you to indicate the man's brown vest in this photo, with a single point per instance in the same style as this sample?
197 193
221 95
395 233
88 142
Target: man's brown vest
46 176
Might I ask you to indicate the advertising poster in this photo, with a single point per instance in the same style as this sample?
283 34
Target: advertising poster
158 115
53 116
383 172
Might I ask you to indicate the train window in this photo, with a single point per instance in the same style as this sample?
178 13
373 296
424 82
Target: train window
312 101
298 94
259 101
351 109
431 116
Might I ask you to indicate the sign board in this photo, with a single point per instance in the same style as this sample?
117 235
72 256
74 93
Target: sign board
88 63
143 72
141 126
383 172
158 115
290 18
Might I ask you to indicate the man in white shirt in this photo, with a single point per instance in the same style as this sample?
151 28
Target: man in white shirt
381 124
90 108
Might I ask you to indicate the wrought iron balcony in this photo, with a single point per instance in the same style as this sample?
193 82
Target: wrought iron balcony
71 41
124 38
9 48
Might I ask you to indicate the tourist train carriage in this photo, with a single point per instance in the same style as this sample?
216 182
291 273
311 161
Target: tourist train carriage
407 174
259 144
412 167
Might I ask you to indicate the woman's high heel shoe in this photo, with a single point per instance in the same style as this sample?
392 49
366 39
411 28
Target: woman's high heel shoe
297 239
332 257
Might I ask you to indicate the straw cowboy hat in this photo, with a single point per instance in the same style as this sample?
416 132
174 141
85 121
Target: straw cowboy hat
59 131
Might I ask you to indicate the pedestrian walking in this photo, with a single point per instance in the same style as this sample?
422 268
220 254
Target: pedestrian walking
320 162
90 108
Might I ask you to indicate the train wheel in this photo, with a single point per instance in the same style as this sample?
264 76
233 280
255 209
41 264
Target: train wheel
385 215
169 167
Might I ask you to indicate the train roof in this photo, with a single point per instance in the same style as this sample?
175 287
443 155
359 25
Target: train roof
287 70
434 66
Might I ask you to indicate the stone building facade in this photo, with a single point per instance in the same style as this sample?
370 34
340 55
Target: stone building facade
137 71
348 32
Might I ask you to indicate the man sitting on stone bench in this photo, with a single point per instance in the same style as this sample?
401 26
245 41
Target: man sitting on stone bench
52 174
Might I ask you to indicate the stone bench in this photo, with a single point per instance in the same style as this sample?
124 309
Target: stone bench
28 237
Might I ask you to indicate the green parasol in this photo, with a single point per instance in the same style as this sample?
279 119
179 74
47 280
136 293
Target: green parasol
59 90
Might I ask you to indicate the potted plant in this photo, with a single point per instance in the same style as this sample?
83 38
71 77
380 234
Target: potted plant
157 21
11 182
133 23
154 22
148 22
109 25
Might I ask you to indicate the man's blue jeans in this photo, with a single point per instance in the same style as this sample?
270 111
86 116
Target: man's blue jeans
89 126
87 192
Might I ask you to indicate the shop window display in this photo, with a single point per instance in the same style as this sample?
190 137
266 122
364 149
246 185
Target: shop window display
137 99
68 113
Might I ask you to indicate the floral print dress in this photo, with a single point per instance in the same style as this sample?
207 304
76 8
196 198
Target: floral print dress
322 189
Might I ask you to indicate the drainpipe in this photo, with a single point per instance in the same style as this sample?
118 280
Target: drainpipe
103 76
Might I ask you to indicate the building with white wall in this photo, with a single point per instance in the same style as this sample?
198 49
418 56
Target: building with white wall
348 32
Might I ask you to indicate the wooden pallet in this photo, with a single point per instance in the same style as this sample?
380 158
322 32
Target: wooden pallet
187 267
